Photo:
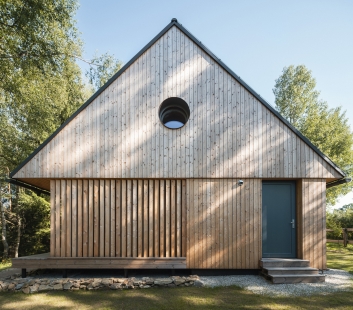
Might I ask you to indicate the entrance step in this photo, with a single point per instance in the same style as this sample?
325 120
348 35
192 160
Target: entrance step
284 262
280 270
290 270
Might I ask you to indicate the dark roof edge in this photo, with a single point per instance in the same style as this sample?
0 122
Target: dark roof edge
338 182
35 189
174 22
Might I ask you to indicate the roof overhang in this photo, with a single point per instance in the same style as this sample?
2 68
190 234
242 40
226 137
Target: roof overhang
338 182
35 189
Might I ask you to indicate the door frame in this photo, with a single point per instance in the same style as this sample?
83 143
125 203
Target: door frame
294 210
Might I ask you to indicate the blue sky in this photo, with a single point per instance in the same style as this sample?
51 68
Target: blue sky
255 38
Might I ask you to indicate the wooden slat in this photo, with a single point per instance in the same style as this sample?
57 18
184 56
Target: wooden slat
63 222
118 218
101 218
112 219
79 218
52 216
140 200
183 218
172 218
134 218
150 218
74 219
167 218
107 218
123 218
85 218
178 219
68 237
145 218
96 224
129 218
162 218
156 219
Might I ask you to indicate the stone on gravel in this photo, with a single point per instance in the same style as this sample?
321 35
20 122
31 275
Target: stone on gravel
107 282
34 288
67 285
44 287
115 286
25 290
162 282
179 281
95 284
58 287
198 283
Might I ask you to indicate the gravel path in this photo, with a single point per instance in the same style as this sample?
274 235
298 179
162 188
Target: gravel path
336 280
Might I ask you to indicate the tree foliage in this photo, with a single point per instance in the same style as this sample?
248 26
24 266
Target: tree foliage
327 128
104 67
40 87
338 219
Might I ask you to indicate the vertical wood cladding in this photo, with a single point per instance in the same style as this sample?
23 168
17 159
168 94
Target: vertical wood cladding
229 134
118 218
224 224
312 217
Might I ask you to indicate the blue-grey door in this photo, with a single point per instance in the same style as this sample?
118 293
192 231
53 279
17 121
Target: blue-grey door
278 219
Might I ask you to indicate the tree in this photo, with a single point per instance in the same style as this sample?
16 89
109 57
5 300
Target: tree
40 87
104 67
298 101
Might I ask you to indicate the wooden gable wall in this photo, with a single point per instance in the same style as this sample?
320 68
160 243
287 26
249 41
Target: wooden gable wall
229 133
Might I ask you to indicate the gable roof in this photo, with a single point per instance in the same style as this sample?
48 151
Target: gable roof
175 23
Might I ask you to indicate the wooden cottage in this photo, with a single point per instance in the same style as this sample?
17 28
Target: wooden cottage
177 163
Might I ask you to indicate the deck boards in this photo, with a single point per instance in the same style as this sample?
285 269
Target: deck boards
45 261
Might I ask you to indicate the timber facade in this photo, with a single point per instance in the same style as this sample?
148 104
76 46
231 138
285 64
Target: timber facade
124 186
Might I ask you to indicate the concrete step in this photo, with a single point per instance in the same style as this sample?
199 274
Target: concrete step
289 270
289 278
283 262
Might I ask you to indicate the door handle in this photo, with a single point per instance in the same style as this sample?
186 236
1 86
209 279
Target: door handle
293 223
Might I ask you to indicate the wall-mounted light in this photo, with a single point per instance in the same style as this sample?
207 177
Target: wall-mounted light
240 182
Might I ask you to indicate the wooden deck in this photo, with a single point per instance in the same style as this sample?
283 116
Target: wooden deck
44 261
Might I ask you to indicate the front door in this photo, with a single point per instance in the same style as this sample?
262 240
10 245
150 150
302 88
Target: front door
278 219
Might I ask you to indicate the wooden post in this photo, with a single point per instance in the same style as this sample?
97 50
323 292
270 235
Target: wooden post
345 237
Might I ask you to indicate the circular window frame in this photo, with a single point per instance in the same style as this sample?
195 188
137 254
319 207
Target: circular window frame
174 109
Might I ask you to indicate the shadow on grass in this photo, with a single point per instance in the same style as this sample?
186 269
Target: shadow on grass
172 298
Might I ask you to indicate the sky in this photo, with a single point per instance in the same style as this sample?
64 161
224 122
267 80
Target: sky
254 38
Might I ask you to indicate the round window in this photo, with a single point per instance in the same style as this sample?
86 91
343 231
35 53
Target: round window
174 113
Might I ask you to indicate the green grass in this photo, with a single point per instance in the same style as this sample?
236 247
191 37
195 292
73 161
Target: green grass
172 298
5 264
232 297
339 257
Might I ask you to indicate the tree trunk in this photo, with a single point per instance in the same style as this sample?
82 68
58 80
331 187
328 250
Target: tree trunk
18 219
18 239
3 231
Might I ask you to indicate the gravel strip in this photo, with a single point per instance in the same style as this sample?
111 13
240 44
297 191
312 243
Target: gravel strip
336 280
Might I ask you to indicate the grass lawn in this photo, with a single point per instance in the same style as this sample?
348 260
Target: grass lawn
339 257
187 297
5 264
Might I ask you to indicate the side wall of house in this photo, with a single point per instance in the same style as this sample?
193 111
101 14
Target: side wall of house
311 216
